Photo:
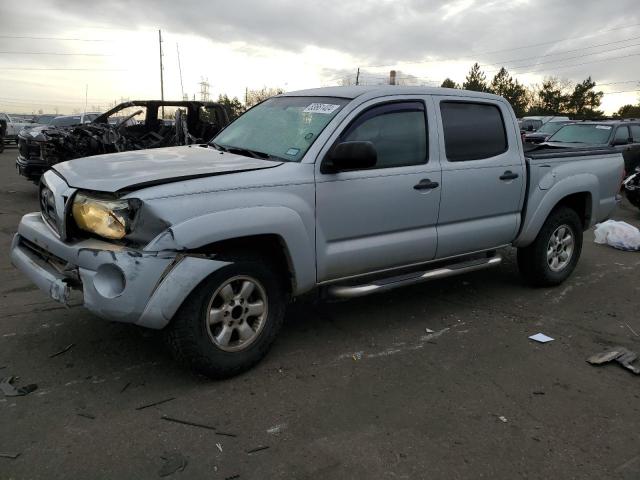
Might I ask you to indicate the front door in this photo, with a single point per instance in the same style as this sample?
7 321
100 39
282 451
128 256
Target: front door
381 217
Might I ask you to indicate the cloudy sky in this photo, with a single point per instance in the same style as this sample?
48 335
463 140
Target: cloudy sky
52 50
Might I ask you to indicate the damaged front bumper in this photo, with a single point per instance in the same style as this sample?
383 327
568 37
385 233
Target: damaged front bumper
117 283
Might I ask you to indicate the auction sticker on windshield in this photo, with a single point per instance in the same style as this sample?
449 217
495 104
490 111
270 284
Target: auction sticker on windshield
325 108
603 127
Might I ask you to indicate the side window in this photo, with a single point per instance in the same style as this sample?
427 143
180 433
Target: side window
472 131
635 133
398 131
622 133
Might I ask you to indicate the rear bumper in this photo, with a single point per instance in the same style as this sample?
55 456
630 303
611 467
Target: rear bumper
117 283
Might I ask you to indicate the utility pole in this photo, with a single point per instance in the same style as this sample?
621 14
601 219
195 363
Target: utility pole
246 96
358 77
161 79
180 70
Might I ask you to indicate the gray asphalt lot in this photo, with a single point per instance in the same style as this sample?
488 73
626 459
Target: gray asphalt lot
351 390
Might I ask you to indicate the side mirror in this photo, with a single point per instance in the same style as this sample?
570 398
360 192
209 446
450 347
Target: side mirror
351 156
620 141
530 128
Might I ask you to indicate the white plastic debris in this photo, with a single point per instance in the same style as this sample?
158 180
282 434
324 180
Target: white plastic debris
619 235
541 337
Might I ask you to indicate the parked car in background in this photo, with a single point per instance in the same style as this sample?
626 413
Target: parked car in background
3 129
345 191
545 131
129 126
621 135
14 125
533 123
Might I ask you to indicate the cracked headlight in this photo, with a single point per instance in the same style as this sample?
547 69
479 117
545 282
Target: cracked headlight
105 217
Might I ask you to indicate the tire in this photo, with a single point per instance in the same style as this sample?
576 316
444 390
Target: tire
194 341
536 261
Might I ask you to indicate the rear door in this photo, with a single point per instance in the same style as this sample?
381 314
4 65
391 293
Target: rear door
382 217
483 175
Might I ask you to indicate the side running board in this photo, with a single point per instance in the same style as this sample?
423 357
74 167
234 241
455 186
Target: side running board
351 291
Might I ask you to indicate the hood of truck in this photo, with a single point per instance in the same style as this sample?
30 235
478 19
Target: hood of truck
127 171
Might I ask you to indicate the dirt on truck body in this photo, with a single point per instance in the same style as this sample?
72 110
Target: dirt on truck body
135 125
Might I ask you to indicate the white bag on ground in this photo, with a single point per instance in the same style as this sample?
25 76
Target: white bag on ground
618 234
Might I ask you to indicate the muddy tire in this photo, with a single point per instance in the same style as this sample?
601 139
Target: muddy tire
228 323
551 258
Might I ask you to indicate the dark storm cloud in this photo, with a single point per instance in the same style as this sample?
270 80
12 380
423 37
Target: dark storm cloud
374 32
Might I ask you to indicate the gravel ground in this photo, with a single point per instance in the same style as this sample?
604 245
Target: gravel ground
350 390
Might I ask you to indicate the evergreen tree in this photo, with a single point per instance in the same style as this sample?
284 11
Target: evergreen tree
448 83
476 80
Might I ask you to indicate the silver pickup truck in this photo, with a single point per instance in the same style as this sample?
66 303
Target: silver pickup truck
341 191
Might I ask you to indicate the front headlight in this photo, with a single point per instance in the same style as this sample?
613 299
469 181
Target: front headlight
104 217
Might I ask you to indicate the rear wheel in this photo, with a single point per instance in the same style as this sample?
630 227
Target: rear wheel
228 323
551 258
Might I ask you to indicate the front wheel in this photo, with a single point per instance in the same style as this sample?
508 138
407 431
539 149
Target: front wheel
227 324
551 258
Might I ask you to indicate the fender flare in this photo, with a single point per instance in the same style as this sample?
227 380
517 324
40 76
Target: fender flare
547 200
213 227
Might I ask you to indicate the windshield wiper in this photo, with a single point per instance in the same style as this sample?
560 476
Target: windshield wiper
218 147
247 152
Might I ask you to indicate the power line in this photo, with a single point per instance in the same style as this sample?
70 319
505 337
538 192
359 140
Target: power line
519 48
560 53
568 58
57 53
62 69
580 64
558 40
56 38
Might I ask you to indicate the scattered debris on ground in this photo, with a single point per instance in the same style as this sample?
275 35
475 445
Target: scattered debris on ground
173 462
618 235
64 350
632 330
621 355
9 390
159 402
86 415
127 385
219 447
541 338
502 419
232 477
10 455
257 449
186 422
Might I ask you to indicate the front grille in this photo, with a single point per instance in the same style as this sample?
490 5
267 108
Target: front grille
48 208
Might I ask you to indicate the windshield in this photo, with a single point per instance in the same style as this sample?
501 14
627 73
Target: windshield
590 134
65 121
551 127
282 127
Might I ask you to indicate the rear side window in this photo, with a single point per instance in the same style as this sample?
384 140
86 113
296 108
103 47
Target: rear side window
635 133
622 133
472 131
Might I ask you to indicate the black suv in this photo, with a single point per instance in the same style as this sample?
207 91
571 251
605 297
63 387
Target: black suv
622 135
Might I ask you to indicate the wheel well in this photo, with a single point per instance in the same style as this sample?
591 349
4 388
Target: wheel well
267 246
581 204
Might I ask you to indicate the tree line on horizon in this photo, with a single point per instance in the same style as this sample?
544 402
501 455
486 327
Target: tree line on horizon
553 96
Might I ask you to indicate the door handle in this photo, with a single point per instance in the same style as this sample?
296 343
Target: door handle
426 184
508 175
